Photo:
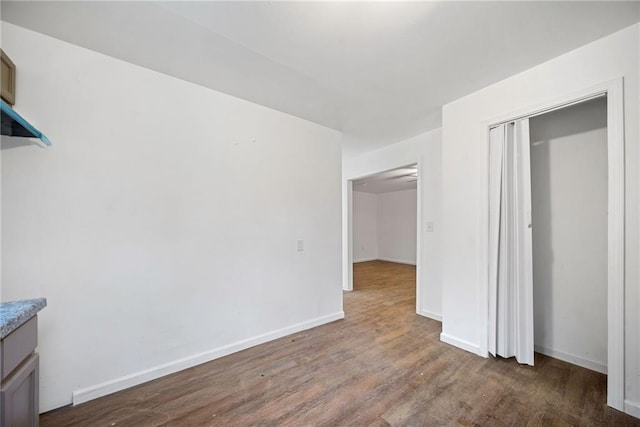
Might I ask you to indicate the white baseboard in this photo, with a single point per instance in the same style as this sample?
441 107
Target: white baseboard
355 261
117 384
571 358
457 342
632 408
397 261
431 315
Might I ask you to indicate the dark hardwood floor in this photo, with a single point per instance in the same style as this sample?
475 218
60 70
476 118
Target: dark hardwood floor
381 365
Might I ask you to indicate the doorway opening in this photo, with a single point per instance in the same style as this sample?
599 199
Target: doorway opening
384 222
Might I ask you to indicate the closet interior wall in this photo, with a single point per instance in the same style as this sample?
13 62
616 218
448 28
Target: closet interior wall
569 213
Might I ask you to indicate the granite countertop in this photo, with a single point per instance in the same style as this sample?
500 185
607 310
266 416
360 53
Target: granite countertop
14 313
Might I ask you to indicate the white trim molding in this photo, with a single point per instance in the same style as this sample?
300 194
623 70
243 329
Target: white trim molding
632 408
397 261
355 261
124 382
613 90
419 235
431 315
460 343
572 358
347 235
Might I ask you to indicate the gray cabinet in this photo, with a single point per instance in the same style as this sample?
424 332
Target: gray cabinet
19 373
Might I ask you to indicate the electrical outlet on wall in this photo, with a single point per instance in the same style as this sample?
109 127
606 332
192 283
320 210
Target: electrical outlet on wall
429 226
300 245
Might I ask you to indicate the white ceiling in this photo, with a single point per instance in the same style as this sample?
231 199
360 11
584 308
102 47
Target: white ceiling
404 178
377 71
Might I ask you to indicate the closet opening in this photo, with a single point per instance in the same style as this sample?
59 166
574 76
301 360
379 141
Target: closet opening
554 238
568 153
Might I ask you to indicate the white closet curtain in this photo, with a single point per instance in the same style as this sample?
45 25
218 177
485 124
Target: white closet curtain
510 243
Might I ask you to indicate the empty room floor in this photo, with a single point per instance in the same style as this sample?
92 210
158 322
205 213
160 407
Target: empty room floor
381 365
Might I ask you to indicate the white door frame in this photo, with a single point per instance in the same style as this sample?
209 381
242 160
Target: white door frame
347 226
615 229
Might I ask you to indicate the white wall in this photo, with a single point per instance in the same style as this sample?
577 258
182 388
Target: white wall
397 226
162 224
365 226
426 150
464 136
384 226
569 200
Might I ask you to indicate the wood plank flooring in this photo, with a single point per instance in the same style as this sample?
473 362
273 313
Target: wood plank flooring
382 365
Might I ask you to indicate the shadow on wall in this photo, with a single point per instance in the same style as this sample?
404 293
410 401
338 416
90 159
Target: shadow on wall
9 142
